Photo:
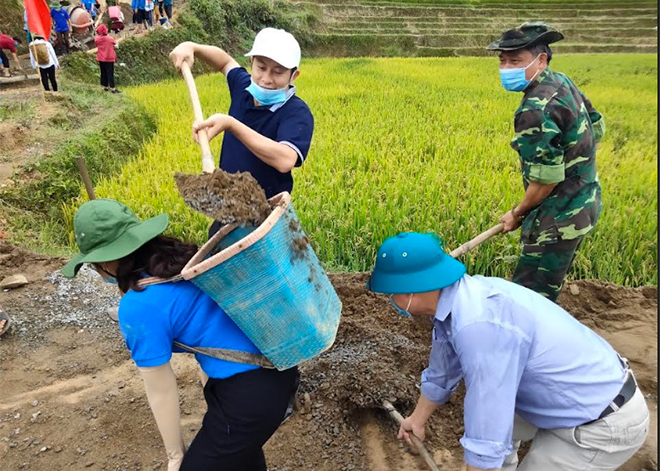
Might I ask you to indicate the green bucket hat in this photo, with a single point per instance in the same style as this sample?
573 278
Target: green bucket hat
107 230
56 5
526 35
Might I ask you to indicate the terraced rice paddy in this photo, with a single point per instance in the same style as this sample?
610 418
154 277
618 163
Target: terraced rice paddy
439 28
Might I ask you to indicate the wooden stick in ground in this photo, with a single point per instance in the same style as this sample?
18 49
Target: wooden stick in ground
428 459
208 162
85 177
481 238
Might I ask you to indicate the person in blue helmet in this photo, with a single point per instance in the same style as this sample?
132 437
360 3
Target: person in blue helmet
531 370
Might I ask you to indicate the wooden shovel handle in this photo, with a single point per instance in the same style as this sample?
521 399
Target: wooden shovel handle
481 238
208 162
398 418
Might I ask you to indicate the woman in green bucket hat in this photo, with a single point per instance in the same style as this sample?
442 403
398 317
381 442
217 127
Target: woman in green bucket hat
246 402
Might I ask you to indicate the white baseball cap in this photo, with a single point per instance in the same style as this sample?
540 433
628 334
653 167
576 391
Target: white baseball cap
278 45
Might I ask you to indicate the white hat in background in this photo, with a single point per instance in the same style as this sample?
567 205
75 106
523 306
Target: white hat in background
278 45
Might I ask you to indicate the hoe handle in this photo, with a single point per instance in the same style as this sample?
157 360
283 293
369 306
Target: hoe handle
398 418
208 162
481 238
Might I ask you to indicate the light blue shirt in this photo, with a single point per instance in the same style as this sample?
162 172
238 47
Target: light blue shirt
518 353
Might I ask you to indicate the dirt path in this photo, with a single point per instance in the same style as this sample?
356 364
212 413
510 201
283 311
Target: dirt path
70 397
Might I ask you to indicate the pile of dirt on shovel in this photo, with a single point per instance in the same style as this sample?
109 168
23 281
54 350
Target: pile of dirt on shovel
230 198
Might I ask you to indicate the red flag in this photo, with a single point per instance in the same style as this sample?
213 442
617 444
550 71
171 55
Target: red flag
39 21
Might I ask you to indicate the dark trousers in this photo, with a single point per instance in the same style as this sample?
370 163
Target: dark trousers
542 268
243 413
147 17
62 37
107 74
48 74
4 58
168 11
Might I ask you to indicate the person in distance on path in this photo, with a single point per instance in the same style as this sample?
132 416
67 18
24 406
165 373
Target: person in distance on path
557 130
531 370
268 129
11 44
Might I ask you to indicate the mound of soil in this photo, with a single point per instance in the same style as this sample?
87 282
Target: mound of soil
72 398
230 198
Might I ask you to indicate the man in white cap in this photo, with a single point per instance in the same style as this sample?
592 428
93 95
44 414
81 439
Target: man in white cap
268 129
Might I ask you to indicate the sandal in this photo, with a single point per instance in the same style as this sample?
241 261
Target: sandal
7 326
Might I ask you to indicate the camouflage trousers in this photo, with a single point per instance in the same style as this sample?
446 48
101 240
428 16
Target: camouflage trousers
542 268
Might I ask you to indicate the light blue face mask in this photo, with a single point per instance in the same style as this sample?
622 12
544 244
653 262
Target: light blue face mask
403 312
266 96
108 278
515 80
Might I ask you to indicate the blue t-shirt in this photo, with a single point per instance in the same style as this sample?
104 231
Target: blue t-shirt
60 18
291 124
151 320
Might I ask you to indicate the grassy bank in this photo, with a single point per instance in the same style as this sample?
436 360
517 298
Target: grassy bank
423 144
107 130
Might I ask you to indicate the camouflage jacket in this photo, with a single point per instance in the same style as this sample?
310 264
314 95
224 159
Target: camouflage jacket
557 129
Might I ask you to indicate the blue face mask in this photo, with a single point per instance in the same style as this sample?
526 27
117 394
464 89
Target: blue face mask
403 312
266 96
515 80
108 278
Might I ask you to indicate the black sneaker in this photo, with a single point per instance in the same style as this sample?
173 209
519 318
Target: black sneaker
115 91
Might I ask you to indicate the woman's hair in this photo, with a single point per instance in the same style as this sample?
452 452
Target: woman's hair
162 256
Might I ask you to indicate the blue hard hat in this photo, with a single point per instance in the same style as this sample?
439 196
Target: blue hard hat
411 262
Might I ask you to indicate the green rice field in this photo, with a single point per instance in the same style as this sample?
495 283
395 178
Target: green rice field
422 145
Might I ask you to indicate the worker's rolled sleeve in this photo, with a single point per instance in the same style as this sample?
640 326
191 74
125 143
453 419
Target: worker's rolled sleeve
538 141
441 378
484 454
545 174
599 129
493 356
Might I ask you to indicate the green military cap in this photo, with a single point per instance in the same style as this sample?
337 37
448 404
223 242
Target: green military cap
526 35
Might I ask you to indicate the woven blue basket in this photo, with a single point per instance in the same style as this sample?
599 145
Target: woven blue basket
270 282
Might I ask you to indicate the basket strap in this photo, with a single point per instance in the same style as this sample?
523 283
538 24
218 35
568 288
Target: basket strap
154 280
235 356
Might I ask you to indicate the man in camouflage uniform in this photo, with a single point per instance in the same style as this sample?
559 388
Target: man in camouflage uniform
557 130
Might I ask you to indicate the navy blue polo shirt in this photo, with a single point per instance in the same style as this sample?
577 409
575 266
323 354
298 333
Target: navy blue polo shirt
290 123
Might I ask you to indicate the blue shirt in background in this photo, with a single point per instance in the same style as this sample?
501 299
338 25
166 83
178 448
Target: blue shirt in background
151 320
290 123
518 353
60 19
